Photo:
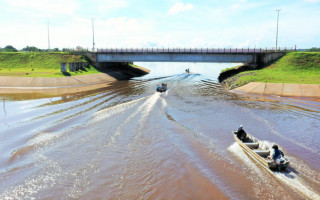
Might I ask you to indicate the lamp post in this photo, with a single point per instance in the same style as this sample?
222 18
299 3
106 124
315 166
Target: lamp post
92 34
277 30
48 38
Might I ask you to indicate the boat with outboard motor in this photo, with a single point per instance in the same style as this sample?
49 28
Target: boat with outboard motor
162 88
261 152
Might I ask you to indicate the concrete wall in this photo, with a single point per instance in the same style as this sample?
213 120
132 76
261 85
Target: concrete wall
176 57
265 58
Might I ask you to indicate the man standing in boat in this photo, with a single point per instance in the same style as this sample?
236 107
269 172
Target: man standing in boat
241 134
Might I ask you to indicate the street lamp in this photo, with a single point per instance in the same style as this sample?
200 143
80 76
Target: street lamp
277 29
48 38
92 34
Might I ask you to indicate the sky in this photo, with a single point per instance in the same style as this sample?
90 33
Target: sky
160 23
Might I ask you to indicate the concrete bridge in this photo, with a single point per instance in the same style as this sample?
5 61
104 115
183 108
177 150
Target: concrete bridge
253 57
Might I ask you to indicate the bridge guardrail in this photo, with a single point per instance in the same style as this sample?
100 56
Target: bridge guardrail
190 50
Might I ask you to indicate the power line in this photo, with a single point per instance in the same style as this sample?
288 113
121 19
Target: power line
277 29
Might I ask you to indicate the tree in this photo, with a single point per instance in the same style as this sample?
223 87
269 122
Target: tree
9 48
30 49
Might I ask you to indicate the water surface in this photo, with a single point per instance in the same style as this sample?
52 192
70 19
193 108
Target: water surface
125 141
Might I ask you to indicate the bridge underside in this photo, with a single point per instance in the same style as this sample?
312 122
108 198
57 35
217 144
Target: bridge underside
178 57
252 58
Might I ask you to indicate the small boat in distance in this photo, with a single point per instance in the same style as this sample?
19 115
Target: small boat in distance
261 152
162 88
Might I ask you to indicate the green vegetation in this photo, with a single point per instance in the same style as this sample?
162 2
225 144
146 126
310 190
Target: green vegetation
40 64
230 68
132 65
314 49
295 67
31 49
8 48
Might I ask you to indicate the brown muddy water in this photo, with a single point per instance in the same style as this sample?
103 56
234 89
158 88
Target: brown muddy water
125 141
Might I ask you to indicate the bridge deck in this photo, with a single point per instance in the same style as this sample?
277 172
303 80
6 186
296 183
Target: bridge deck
189 50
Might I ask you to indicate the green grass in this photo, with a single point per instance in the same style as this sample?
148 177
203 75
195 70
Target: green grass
295 67
230 68
132 65
40 64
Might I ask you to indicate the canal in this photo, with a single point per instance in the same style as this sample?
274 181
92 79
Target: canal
125 141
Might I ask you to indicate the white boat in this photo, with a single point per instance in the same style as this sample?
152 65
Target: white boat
261 152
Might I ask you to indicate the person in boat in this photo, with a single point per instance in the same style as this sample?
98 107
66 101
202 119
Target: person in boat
158 88
241 134
277 154
162 88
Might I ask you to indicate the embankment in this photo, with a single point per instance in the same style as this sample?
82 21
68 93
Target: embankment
43 69
42 64
295 74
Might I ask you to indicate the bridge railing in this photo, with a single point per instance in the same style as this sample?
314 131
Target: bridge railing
190 50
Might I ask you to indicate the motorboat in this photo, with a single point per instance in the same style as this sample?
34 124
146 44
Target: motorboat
162 88
261 152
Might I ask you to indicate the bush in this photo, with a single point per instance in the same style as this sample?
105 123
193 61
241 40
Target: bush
9 48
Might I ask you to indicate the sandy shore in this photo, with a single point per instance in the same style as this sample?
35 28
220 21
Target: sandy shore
281 89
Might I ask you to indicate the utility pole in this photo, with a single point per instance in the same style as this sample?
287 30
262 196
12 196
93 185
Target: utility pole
277 29
92 34
48 37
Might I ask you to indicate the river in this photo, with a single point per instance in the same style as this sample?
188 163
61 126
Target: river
125 141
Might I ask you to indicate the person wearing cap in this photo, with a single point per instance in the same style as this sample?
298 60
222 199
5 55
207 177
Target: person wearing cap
241 134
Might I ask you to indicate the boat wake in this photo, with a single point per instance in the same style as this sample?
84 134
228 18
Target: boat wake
294 181
289 178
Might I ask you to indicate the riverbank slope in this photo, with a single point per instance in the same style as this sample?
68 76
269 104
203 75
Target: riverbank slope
42 64
295 74
43 69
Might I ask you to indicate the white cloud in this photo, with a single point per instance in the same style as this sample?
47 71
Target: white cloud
312 1
179 7
111 4
47 6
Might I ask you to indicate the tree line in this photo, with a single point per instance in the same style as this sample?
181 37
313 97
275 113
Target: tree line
10 48
314 49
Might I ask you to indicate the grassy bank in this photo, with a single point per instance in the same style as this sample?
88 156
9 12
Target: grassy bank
40 64
295 67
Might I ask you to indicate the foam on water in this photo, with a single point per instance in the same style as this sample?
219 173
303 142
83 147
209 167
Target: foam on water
295 182
289 178
107 112
37 141
145 109
236 150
